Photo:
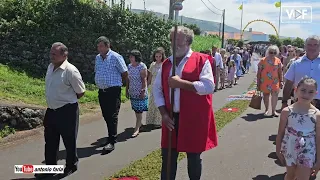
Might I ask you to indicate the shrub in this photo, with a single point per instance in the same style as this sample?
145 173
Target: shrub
28 28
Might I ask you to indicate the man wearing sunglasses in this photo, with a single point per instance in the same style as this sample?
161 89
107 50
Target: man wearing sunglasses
307 65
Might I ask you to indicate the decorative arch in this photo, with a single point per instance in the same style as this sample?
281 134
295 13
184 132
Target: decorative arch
260 20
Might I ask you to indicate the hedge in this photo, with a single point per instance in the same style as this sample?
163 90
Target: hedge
28 28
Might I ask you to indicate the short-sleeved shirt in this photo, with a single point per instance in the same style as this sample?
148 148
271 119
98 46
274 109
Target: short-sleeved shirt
304 67
218 59
135 82
62 85
108 71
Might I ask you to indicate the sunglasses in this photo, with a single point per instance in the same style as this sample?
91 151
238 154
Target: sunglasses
272 52
290 51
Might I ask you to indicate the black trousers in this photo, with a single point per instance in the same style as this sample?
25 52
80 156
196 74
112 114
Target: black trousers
245 64
62 122
194 160
110 102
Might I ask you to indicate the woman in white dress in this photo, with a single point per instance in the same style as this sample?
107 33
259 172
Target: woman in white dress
153 114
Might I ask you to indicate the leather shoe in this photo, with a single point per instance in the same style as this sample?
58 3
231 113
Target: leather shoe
69 170
109 147
105 143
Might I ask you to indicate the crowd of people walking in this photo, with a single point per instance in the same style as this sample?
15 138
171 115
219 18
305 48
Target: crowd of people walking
198 76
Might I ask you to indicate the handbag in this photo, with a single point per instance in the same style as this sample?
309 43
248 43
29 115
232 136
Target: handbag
256 101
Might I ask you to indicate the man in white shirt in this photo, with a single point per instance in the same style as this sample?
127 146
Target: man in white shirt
219 65
64 86
193 84
307 65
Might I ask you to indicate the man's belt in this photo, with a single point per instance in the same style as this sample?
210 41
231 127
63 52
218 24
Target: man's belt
62 107
106 89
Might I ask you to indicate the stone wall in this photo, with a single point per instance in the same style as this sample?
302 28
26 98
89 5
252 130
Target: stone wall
21 118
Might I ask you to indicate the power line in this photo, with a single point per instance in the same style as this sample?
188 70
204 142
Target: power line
210 9
214 6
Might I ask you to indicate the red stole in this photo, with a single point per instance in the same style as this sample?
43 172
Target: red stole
197 129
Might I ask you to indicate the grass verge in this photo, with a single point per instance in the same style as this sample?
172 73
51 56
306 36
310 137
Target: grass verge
17 86
148 168
6 130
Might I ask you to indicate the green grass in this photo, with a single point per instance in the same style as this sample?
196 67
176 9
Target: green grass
17 86
148 168
6 131
202 43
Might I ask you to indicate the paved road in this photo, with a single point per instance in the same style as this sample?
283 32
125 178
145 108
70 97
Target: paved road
92 164
246 151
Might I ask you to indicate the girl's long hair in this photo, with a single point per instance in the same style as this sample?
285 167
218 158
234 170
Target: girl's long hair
161 51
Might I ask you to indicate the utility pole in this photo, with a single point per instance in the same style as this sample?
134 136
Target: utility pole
279 18
223 18
171 10
241 21
144 5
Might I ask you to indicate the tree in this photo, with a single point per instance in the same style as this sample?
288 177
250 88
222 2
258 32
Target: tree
240 43
298 42
194 27
232 41
275 40
287 41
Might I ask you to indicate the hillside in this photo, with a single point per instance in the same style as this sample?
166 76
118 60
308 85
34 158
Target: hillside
202 24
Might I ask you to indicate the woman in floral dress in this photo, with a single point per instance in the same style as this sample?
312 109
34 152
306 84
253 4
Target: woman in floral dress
297 140
137 90
153 114
270 79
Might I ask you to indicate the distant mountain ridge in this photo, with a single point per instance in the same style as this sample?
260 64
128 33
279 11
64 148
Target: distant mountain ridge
202 24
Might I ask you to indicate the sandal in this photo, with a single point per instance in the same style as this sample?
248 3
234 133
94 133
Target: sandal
275 114
134 135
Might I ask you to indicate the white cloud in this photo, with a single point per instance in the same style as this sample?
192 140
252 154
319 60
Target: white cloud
253 9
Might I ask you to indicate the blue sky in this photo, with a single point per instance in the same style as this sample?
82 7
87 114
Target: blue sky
253 9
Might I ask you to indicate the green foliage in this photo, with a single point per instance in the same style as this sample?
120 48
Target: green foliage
240 43
202 43
298 42
194 27
6 130
32 90
233 41
286 41
30 27
275 40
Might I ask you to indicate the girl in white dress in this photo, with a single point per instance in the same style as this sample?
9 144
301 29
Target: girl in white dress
296 143
153 114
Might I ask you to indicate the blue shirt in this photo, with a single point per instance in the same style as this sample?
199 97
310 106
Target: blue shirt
108 71
304 67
